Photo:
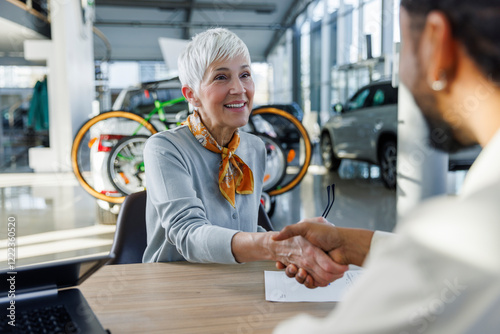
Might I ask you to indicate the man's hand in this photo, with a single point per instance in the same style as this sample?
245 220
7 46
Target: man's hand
299 252
345 246
300 274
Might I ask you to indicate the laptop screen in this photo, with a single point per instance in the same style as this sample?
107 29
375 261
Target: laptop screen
60 274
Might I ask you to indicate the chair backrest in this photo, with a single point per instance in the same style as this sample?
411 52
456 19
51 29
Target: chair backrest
264 220
130 236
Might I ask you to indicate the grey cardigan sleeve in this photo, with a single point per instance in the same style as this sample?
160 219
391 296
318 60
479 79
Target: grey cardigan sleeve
178 215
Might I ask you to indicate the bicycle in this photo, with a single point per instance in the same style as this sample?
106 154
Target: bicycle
125 167
102 132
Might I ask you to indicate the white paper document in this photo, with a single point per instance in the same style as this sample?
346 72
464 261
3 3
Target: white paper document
280 288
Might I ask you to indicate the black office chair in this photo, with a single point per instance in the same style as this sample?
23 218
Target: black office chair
130 237
263 219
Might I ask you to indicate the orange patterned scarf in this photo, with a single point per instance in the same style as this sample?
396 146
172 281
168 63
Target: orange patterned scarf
234 175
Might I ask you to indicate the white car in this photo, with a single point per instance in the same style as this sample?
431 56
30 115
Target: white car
365 129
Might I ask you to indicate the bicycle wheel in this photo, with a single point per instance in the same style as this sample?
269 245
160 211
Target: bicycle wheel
275 163
92 144
126 165
295 142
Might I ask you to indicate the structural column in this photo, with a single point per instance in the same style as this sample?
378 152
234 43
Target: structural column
388 34
422 170
70 63
326 40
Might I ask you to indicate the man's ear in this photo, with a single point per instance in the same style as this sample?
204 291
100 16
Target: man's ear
439 49
190 95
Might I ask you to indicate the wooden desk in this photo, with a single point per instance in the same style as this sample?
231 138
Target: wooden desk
181 297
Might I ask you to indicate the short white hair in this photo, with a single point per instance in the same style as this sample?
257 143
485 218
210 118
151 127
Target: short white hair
204 49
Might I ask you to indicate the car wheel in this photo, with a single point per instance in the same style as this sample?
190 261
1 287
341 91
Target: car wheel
388 164
330 161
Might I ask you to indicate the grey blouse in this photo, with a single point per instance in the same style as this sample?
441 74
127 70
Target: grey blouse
187 218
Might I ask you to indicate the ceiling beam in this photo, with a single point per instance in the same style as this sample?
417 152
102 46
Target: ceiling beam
184 25
186 34
297 8
213 5
15 11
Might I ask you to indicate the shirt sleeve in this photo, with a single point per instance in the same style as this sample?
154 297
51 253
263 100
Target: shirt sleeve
438 274
386 298
179 211
380 238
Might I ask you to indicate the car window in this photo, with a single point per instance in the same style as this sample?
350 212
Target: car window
358 100
140 103
378 98
391 94
383 95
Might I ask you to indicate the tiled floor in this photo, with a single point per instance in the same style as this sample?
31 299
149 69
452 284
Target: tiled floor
360 198
56 219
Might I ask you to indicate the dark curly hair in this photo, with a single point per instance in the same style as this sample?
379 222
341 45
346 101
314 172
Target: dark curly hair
475 23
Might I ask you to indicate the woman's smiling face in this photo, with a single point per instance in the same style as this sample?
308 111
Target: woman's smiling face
225 96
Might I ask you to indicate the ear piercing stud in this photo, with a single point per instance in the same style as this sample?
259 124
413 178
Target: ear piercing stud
440 84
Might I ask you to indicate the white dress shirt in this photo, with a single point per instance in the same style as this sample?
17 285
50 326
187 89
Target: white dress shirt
440 272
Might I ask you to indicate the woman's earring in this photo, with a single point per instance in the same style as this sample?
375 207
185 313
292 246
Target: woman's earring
441 83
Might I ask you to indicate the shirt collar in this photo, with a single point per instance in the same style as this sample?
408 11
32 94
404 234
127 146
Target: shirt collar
486 169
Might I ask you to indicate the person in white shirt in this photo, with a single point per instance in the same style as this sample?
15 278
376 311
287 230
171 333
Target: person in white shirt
440 271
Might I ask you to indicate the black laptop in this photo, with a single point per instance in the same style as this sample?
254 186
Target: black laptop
45 300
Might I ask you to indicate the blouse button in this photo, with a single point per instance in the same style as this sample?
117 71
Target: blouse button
235 215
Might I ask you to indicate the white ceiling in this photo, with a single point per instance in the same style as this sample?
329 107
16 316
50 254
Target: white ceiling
133 27
12 38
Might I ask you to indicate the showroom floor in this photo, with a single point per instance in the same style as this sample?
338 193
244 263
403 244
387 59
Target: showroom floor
56 219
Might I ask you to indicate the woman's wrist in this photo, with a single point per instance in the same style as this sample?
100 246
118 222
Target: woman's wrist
248 247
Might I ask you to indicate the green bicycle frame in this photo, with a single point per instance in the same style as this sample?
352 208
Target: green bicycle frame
159 109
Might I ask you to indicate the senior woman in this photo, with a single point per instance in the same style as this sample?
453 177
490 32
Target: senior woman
204 178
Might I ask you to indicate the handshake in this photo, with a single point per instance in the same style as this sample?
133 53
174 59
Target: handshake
316 252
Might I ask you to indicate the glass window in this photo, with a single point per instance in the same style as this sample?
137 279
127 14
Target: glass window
315 66
21 76
305 65
372 25
358 100
153 71
397 33
318 11
333 39
385 95
378 97
142 104
123 74
391 94
332 5
353 19
260 74
349 4
338 92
